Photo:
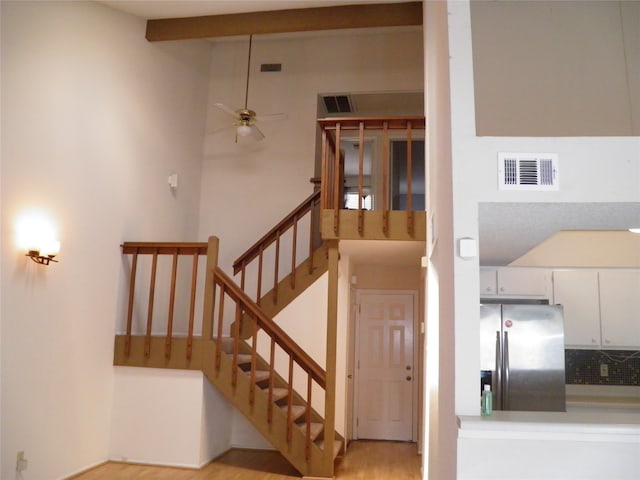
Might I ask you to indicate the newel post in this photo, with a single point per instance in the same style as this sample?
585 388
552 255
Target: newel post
332 333
210 288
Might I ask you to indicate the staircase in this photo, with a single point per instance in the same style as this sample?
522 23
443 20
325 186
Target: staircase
257 379
277 386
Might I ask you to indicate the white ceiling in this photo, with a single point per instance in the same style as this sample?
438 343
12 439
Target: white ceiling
509 230
152 9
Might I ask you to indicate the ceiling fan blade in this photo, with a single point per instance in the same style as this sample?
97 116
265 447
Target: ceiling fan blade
256 133
226 109
271 117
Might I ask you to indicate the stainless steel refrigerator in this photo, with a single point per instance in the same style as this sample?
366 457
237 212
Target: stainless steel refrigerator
522 356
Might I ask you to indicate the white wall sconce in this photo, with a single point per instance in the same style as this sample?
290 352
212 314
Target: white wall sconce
35 235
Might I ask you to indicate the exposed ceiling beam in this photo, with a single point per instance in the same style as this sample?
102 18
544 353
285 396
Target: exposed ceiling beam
283 21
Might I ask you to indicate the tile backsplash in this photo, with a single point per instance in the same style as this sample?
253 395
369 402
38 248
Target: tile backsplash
584 367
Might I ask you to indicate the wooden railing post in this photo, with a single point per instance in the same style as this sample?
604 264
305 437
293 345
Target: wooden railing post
332 332
210 288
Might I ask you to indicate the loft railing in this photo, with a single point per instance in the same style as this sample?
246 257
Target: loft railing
218 325
334 130
306 213
156 250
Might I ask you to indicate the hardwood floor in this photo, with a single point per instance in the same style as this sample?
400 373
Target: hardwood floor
364 460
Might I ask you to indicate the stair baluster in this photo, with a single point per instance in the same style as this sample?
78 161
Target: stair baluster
290 402
132 287
152 289
172 302
192 305
254 353
272 360
220 322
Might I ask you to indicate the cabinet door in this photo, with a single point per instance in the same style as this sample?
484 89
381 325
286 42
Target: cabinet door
488 282
577 292
525 282
620 308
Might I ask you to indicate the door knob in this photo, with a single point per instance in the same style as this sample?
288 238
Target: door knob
408 378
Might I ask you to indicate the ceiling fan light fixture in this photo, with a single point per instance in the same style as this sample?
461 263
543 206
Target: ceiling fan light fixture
243 130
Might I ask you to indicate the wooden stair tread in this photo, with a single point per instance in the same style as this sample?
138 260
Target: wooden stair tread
337 445
278 393
316 428
296 410
261 375
244 358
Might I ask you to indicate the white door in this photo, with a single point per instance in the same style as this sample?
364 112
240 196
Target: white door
384 366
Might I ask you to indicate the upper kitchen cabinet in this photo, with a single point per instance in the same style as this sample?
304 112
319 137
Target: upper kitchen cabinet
515 282
577 292
488 282
601 307
620 308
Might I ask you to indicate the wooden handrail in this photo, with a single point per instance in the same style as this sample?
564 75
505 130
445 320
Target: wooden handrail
165 248
271 236
285 342
372 123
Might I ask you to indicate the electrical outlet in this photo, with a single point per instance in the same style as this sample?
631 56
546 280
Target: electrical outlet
604 370
21 462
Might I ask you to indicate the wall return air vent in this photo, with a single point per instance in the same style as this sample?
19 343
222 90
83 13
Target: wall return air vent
528 171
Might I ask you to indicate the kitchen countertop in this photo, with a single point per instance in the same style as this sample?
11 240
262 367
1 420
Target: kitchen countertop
609 426
603 396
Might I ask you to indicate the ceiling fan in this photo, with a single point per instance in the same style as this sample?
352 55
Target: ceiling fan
246 118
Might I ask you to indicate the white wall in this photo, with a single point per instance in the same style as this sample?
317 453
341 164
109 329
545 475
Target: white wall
549 68
569 458
248 187
94 119
440 430
167 417
593 169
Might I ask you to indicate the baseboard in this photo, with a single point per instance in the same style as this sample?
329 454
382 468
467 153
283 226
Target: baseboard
83 470
132 461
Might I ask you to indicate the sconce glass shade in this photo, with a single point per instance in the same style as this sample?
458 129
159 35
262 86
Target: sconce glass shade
35 235
243 130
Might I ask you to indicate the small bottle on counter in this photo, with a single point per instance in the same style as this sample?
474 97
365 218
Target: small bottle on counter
486 402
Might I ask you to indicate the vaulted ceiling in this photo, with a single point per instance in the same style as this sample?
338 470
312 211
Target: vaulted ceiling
171 20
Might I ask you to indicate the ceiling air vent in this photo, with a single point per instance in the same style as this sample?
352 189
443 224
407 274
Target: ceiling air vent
337 103
528 171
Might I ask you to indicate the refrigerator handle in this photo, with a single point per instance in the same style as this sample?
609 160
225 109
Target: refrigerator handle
497 379
506 371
